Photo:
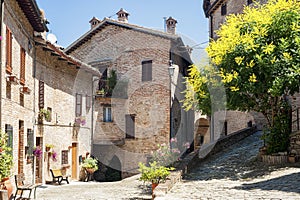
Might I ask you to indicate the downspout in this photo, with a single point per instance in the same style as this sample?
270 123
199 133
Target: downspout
1 23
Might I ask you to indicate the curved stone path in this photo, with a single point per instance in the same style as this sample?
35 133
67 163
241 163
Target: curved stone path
236 174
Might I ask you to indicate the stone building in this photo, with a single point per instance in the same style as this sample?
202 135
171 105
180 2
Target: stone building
135 108
35 75
228 121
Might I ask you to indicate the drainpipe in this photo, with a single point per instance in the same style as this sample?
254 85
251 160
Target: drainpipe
1 22
94 79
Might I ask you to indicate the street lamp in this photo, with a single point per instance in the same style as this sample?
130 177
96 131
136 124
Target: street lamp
171 70
94 79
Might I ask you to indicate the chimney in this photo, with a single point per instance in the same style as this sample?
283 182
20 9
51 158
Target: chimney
123 15
94 21
171 25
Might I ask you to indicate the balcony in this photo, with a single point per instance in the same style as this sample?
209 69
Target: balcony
108 90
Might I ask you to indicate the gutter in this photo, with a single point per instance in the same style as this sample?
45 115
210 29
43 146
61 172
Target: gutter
1 23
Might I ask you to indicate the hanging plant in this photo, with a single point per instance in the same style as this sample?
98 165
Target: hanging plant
38 152
81 120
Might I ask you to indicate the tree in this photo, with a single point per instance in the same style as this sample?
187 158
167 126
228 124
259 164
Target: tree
257 58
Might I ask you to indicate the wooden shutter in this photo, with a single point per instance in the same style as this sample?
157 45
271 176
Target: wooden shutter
129 123
22 66
9 131
147 70
41 94
8 51
78 108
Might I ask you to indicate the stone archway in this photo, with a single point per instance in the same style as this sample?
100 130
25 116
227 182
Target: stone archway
201 132
114 172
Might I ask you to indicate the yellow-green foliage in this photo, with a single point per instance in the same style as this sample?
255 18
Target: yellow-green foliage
256 58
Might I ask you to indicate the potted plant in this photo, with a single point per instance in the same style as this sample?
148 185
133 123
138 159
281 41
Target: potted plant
101 92
154 173
44 114
38 152
49 146
5 164
90 164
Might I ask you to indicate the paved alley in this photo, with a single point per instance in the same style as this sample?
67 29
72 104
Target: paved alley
235 174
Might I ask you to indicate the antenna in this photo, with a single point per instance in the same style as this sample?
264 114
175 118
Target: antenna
51 38
165 24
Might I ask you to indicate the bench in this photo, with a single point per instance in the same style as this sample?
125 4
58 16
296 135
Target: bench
57 176
21 186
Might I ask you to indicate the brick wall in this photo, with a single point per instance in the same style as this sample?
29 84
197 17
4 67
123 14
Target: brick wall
124 50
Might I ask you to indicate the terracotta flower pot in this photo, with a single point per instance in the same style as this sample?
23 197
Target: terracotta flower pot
7 186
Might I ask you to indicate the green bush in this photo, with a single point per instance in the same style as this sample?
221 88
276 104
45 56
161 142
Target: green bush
5 156
154 173
90 163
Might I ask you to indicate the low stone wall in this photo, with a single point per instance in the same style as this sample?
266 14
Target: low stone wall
193 159
275 159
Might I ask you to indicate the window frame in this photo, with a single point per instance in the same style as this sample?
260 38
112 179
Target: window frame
147 70
107 114
78 105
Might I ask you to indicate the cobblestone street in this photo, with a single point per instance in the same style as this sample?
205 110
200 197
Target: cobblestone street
232 174
236 174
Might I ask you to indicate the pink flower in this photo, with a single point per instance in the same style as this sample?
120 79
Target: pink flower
173 139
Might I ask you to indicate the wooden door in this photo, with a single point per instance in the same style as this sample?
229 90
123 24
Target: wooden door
21 148
74 160
38 164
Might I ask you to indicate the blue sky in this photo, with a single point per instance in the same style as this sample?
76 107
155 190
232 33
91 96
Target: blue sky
69 19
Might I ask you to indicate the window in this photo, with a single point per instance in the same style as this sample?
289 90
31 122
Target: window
8 89
64 157
78 110
41 94
249 2
21 99
147 70
130 127
22 66
88 102
8 51
107 114
30 141
224 9
9 131
50 114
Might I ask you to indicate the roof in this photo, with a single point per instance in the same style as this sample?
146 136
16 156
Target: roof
88 35
209 8
33 14
56 51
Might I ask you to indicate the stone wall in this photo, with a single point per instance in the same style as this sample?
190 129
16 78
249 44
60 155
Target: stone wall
123 50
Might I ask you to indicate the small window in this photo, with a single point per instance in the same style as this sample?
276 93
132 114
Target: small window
130 126
249 2
30 141
8 89
107 117
50 115
9 131
147 70
224 9
88 102
21 99
64 157
78 105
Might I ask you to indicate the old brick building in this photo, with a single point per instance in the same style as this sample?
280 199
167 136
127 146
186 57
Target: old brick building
225 122
35 75
134 112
